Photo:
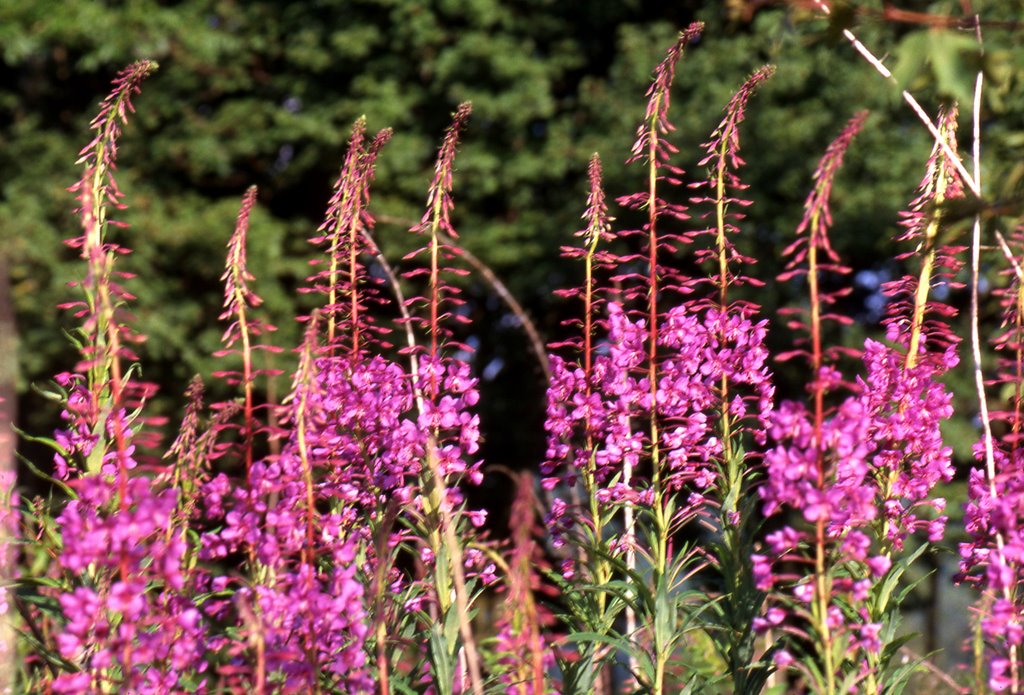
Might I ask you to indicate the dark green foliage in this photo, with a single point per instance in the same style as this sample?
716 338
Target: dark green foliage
265 93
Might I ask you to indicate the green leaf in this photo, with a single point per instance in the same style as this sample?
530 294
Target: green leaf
64 487
911 58
954 75
665 619
442 664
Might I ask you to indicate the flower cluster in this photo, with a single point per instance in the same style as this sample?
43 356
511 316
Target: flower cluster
365 443
881 449
600 407
700 348
860 473
994 559
306 604
447 414
312 624
138 618
76 440
706 348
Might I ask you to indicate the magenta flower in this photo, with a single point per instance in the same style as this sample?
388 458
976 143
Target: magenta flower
606 411
140 618
861 473
993 558
314 624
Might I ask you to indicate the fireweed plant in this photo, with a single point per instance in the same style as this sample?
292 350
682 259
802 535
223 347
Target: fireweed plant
699 535
993 558
660 418
860 468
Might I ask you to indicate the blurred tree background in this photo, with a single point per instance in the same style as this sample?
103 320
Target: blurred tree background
261 92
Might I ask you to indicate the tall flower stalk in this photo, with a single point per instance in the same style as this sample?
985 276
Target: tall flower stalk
114 545
653 150
663 369
243 327
583 421
524 653
993 558
743 376
814 249
352 338
445 391
861 472
296 519
106 334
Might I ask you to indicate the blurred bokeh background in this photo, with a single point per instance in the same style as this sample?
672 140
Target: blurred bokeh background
265 92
